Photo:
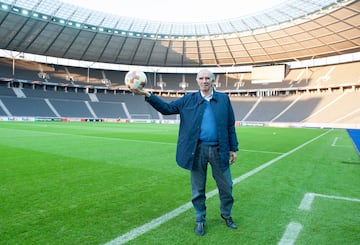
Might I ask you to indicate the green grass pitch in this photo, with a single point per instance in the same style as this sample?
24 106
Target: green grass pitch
90 183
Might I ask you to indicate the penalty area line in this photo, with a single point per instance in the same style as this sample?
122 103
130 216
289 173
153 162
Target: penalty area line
136 232
293 229
291 233
334 143
308 199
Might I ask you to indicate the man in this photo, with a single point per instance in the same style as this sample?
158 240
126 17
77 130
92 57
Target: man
206 135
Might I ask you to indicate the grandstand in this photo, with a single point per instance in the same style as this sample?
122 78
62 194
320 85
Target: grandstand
318 83
324 95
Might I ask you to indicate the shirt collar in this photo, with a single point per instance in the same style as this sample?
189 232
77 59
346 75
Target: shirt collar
208 97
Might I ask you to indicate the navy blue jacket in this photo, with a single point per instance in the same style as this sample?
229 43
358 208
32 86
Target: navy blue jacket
191 107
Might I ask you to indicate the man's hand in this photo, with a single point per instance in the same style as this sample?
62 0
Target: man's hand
232 157
140 92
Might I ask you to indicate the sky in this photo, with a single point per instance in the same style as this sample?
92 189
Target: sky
178 11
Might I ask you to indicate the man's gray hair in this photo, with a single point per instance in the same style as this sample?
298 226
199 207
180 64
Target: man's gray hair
211 75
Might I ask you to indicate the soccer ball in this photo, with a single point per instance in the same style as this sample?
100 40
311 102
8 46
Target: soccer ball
135 79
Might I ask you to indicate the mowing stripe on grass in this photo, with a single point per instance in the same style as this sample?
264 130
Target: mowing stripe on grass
136 232
265 165
51 134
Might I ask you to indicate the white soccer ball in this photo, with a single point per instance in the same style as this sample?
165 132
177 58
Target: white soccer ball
135 80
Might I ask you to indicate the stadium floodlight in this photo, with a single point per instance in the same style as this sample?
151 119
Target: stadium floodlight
4 6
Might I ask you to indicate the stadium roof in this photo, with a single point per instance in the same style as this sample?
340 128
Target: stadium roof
292 30
177 11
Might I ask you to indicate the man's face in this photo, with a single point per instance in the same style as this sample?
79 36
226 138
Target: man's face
204 82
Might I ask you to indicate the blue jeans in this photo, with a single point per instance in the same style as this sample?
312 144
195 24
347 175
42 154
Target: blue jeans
210 154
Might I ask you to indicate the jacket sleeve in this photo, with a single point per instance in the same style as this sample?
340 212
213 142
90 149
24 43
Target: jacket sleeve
162 106
233 141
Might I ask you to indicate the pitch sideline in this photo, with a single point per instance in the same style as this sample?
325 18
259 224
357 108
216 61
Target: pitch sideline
136 232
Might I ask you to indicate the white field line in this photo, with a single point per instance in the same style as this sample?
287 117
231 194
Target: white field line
136 232
309 198
334 141
307 201
266 152
291 233
337 145
293 229
265 165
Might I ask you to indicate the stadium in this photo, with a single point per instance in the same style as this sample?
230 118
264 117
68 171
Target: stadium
85 161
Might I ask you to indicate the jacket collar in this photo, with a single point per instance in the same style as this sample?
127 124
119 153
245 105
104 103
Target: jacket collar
202 99
207 97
